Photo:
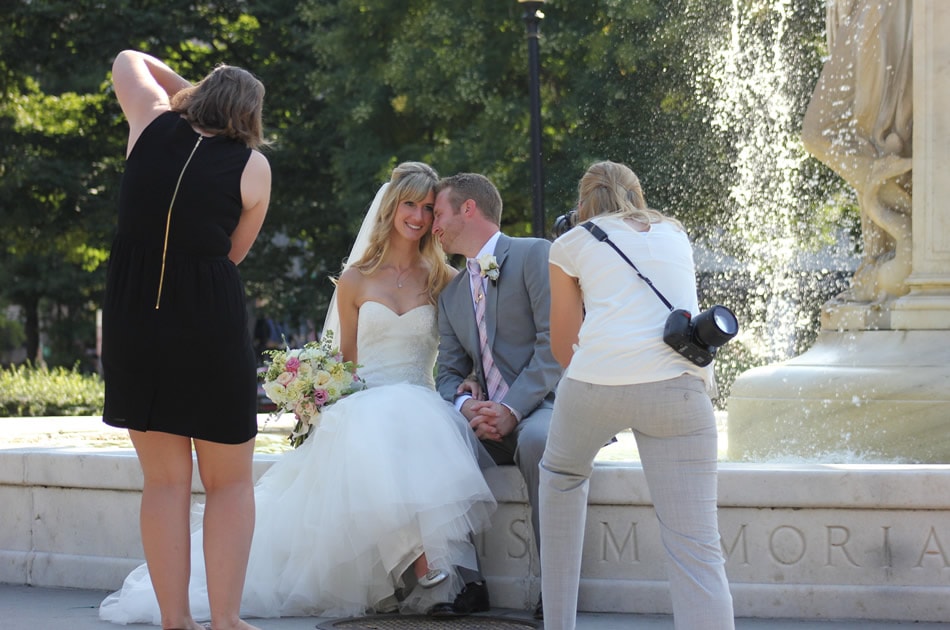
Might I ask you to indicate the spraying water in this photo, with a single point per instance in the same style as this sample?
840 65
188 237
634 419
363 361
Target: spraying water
789 261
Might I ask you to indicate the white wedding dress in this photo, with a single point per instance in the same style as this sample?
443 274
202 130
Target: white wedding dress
390 472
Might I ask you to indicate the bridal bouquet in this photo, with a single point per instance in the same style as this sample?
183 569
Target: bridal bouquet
304 381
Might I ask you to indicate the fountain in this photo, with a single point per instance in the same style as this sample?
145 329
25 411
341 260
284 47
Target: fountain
875 383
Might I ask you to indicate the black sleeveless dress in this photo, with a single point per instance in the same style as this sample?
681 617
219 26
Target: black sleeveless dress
177 353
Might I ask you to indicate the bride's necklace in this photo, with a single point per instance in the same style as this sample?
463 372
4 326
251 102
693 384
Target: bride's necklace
399 276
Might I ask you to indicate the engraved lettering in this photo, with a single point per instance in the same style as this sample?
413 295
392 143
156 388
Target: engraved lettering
481 544
932 548
888 558
843 538
518 528
609 540
744 549
794 541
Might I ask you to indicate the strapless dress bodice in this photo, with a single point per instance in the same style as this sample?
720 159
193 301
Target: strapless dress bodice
396 348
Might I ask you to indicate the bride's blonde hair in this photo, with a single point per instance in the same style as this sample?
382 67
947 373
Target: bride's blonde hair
410 181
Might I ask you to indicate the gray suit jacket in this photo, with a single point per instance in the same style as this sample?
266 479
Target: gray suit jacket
517 317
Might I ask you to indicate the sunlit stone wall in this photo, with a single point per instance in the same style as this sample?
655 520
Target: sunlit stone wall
806 541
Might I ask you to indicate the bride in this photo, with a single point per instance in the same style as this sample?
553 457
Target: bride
377 507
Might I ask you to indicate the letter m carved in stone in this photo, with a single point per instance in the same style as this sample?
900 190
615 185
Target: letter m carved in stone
625 550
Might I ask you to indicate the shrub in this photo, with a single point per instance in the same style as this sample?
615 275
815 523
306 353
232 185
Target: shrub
39 391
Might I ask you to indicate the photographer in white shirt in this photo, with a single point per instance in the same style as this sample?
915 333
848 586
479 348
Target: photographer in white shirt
607 329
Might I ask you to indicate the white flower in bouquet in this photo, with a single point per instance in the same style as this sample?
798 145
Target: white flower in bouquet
305 381
305 371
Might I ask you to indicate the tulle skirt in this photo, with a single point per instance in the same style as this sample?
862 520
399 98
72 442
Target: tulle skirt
390 473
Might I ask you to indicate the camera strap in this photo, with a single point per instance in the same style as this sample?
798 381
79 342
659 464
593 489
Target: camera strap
601 236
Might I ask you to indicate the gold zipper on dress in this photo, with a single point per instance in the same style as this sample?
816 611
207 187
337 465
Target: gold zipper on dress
168 222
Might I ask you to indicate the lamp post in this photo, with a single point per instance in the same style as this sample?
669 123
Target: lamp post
532 19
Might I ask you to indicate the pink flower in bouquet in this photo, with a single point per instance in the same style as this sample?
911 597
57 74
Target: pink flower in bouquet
286 378
292 365
320 396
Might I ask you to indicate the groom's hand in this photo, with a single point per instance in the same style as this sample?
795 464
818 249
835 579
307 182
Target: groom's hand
467 409
491 420
471 387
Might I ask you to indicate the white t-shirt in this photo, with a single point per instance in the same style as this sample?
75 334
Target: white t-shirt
621 339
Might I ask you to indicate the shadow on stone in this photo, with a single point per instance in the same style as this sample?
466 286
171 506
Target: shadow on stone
422 622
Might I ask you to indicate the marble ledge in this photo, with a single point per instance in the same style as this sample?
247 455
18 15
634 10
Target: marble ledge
762 485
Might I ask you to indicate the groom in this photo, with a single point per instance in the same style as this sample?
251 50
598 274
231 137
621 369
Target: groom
494 323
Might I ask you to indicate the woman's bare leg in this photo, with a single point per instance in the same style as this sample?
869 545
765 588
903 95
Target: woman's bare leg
228 526
421 566
166 537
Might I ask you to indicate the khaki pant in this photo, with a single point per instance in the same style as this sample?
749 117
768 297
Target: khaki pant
675 429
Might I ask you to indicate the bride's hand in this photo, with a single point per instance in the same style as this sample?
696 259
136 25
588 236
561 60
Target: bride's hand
472 388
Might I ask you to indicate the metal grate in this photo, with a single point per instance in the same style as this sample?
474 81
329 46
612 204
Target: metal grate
422 622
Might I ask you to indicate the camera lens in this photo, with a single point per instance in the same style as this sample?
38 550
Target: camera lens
725 321
715 326
565 222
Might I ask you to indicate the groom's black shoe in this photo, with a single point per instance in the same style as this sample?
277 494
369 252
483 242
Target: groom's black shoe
472 599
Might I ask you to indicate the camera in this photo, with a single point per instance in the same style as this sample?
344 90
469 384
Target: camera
564 222
698 338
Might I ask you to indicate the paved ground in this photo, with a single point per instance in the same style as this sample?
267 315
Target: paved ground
31 608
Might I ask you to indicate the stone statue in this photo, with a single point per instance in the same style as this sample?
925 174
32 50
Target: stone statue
874 384
859 123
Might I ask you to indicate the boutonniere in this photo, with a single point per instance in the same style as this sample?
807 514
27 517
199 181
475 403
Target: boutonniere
489 267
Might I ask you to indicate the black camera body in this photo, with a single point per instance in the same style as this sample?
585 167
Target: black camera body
698 338
564 223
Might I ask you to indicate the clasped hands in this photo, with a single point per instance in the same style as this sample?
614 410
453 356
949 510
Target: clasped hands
490 420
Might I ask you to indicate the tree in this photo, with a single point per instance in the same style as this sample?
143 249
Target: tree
356 86
54 183
65 139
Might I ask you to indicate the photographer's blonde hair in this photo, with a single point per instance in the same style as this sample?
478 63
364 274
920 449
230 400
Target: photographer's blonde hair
612 188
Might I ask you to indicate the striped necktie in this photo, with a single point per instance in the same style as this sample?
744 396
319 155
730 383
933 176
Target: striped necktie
497 387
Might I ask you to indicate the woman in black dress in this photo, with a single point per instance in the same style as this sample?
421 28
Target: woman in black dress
177 353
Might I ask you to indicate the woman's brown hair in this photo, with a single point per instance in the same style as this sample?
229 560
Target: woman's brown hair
228 102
